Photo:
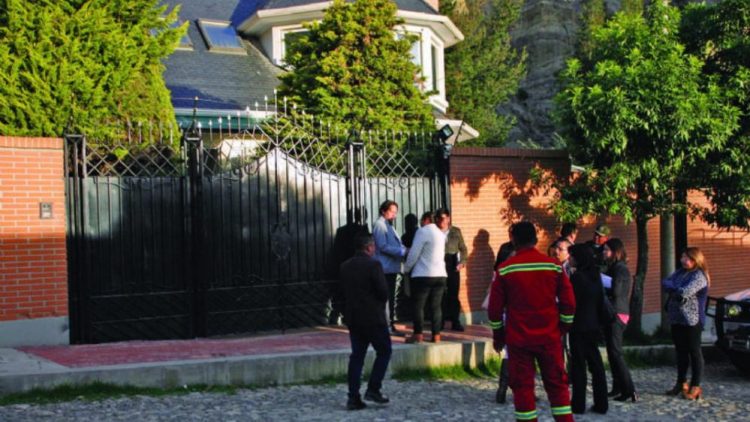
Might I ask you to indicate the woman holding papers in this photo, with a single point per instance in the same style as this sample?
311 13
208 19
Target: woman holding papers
618 294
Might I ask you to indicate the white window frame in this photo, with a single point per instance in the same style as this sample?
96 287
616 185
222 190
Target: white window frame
438 99
278 33
216 49
428 39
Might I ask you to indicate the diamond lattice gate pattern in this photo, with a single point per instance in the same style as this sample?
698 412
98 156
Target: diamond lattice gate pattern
227 231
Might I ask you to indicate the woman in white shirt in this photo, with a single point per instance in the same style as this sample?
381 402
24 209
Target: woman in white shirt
426 262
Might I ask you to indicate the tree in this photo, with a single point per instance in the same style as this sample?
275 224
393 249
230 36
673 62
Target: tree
350 70
637 116
484 70
84 66
593 16
718 34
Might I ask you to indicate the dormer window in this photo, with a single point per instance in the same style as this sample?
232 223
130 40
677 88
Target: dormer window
289 37
185 42
221 37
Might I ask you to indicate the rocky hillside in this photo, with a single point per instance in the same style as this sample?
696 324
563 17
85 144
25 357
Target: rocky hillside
548 30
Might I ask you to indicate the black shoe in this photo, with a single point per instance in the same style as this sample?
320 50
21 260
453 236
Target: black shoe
597 410
614 393
633 397
501 395
355 403
376 396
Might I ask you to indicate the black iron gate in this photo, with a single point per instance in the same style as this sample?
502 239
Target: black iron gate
230 231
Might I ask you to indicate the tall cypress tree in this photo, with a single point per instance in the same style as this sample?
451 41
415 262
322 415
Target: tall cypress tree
352 72
484 70
84 65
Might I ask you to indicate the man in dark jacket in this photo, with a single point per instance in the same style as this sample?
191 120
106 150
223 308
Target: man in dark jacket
366 293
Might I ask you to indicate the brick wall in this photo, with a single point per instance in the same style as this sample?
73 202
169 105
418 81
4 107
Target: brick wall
33 268
490 189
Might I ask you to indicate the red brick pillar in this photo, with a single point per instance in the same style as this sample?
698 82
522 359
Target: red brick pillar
33 266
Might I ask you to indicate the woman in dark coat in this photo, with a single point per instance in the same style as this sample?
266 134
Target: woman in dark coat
585 333
619 295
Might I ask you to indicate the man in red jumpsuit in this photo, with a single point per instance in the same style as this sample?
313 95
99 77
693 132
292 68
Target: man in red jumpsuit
536 296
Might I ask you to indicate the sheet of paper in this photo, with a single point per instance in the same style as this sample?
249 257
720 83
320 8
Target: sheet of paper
606 281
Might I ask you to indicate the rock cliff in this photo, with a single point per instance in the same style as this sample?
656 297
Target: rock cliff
547 29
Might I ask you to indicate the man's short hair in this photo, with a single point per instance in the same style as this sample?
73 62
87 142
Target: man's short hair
524 234
362 240
568 229
440 214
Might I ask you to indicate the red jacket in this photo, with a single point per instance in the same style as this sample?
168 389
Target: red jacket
535 295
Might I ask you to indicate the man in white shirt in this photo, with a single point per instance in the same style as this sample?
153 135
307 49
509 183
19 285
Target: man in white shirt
426 262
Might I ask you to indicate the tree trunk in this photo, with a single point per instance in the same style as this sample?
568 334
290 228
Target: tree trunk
634 329
667 258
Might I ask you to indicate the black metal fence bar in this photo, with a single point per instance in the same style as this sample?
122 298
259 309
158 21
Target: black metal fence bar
225 237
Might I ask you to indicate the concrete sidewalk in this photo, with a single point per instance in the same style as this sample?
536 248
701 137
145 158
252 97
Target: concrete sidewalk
294 357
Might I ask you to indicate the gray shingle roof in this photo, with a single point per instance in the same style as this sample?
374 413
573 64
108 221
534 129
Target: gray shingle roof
411 5
221 81
229 81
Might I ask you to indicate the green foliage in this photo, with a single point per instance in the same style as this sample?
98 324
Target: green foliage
484 70
488 369
636 116
633 7
83 66
350 71
639 115
719 34
593 16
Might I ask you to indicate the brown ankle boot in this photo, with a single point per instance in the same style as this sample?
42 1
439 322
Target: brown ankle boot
695 393
436 338
679 388
415 338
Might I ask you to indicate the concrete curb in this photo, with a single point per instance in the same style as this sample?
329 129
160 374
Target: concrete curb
278 369
263 370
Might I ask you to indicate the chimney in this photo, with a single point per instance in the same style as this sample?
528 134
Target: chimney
435 4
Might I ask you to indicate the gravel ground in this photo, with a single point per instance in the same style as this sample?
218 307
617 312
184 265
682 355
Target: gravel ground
727 398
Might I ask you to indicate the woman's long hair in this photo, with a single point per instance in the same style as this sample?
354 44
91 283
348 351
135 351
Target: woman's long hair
697 256
618 250
583 256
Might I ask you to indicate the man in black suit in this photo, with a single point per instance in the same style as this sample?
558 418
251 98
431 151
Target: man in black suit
366 293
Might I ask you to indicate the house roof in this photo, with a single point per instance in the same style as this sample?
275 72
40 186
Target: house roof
410 5
231 81
220 81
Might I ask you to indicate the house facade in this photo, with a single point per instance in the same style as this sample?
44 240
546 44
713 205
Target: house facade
233 54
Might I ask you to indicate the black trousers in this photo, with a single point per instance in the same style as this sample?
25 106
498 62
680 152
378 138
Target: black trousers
361 338
621 380
391 280
451 304
687 345
428 290
585 353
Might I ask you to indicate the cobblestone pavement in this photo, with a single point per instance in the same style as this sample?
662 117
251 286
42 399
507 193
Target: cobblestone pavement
727 398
